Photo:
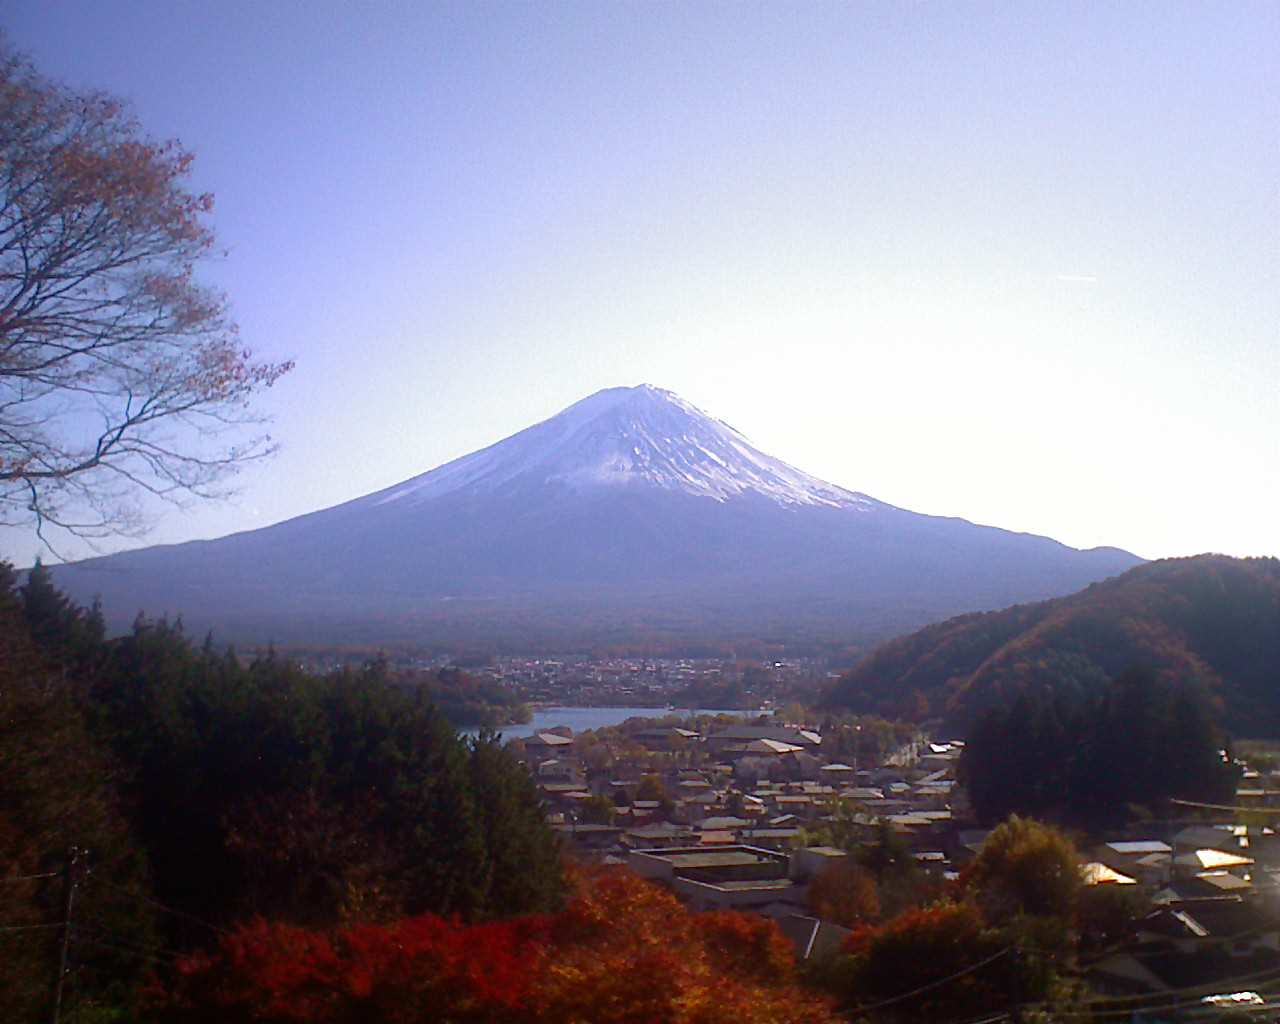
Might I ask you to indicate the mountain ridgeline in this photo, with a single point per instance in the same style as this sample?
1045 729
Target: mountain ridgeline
1209 622
631 517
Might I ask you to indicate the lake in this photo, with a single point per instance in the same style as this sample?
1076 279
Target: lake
580 719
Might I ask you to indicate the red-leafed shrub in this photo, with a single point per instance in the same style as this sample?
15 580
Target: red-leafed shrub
420 968
623 951
747 945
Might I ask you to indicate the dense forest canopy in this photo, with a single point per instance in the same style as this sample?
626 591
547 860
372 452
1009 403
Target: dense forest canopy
1209 621
1093 762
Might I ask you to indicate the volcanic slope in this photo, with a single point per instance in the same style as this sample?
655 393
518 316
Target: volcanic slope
630 517
1211 621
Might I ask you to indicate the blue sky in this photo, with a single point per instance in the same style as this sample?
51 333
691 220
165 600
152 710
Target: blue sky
1013 262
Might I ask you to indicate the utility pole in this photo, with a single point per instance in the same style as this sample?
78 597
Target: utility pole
69 892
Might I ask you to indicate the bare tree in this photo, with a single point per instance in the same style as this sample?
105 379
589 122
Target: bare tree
120 374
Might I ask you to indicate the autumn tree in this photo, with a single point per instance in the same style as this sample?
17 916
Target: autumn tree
1027 880
844 892
622 951
597 810
1108 914
1034 867
120 373
933 964
900 881
651 788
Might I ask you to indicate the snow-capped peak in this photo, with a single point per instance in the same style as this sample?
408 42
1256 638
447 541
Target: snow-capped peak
629 437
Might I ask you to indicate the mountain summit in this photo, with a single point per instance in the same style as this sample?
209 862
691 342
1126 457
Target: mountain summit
641 437
629 517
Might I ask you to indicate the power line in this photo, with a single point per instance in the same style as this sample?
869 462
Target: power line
1128 1011
159 906
127 940
29 878
152 957
1269 812
863 1011
1170 999
30 927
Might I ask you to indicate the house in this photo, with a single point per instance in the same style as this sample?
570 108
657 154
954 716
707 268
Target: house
770 838
586 837
813 860
657 834
1197 945
724 821
563 794
1097 873
1195 862
736 737
729 878
773 748
716 837
668 738
1210 837
547 743
1147 860
1205 886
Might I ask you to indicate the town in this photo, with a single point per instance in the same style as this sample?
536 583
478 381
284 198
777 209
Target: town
688 682
754 817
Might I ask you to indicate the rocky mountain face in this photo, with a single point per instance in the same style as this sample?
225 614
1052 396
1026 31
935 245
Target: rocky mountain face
630 517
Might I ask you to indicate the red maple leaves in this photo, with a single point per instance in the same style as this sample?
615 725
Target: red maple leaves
623 951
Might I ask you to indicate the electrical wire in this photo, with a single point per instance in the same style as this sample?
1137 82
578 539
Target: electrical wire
158 905
167 961
1171 999
864 1010
30 927
29 878
78 926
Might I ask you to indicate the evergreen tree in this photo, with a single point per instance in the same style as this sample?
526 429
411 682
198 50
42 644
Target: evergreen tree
58 791
522 856
1090 762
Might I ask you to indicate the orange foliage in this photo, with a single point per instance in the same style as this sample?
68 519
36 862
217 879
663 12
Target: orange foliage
388 973
623 951
845 892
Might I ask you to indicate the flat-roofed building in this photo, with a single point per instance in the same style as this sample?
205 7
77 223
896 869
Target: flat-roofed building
731 877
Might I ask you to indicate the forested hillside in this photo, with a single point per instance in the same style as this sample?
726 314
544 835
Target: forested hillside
176 791
1209 621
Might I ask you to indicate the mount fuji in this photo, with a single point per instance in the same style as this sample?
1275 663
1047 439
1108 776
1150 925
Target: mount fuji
629 517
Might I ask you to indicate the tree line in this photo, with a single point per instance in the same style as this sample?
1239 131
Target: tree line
1095 761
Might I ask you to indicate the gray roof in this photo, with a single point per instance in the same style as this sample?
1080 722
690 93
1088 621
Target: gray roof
1138 848
811 936
783 733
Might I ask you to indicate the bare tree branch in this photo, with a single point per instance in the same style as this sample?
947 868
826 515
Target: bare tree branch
120 374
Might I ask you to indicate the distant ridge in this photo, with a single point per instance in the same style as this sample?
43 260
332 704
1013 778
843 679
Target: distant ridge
629 518
1210 621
